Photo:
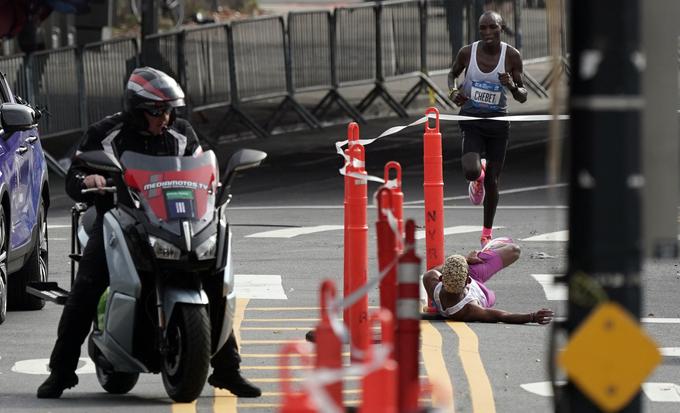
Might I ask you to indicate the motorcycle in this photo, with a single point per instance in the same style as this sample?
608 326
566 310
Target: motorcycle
168 248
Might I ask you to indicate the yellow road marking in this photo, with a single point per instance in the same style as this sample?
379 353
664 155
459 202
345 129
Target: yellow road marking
258 405
279 320
279 393
468 350
270 341
275 368
274 328
184 407
224 400
431 348
292 308
275 355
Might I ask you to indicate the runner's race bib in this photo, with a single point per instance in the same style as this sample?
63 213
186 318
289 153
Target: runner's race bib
486 94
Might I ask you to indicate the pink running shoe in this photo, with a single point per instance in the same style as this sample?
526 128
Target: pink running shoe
484 240
476 188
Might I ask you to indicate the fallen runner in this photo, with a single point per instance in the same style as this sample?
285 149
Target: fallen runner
458 291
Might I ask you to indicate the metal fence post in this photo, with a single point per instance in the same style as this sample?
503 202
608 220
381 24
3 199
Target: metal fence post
28 78
82 100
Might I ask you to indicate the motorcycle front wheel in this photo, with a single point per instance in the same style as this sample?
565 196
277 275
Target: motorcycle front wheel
185 366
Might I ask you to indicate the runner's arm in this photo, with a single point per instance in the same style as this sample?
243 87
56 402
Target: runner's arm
519 93
472 312
459 64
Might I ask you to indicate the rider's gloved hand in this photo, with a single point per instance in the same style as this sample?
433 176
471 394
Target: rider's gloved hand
94 181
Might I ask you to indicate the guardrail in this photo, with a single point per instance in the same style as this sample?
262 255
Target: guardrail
223 66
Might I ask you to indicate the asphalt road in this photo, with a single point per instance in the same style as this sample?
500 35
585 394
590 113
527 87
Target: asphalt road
488 367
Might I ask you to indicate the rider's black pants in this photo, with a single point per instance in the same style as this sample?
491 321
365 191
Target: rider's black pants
76 319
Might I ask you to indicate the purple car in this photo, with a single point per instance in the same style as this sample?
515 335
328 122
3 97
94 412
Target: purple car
24 199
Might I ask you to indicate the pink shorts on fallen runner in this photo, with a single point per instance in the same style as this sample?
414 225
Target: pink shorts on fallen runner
484 271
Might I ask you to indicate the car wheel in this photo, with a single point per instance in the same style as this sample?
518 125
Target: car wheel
35 269
3 267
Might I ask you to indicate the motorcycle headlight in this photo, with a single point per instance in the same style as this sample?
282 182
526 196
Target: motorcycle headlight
163 249
207 249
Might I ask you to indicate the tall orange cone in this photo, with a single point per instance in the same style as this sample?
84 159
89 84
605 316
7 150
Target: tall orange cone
294 401
397 196
356 250
388 252
408 323
352 139
380 385
328 344
433 186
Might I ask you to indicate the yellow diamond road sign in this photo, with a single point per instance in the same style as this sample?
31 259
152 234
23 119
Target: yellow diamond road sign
609 356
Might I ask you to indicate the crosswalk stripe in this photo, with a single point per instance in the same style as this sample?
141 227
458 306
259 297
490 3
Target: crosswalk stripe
670 351
294 232
656 392
458 229
553 292
259 286
662 392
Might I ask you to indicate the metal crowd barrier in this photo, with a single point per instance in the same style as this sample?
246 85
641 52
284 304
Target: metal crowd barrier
106 67
262 67
227 65
54 83
164 51
311 39
14 69
207 67
404 44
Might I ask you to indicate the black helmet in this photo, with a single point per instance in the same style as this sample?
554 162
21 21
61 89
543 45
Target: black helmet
149 88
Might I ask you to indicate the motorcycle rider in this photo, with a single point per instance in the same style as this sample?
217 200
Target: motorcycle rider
148 125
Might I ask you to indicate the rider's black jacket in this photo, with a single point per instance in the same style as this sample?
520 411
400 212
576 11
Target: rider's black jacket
116 134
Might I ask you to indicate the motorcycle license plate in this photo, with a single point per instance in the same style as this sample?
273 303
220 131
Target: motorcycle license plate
179 203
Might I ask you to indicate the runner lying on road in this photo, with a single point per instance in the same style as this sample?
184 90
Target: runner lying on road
458 291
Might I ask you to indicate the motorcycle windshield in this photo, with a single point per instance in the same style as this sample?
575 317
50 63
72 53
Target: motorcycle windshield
173 189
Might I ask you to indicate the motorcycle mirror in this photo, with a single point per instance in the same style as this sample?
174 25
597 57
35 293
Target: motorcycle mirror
241 160
101 161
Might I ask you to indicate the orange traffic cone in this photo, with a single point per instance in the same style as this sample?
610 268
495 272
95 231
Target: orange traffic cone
380 385
328 344
294 401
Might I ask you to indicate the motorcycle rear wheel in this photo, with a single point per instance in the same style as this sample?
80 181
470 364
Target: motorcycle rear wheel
185 367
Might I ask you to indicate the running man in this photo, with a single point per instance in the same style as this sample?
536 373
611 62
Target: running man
492 69
458 291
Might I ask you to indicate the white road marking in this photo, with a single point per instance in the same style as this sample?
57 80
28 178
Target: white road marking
459 229
40 366
670 351
406 206
57 226
644 320
550 236
259 286
553 292
294 232
541 388
662 392
504 192
656 392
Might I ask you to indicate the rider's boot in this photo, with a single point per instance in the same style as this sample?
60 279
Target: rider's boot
55 385
233 381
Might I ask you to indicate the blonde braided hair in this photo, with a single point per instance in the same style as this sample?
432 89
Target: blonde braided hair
454 274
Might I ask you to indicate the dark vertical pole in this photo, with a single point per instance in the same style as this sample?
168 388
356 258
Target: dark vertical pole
604 213
517 8
379 75
454 22
149 23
